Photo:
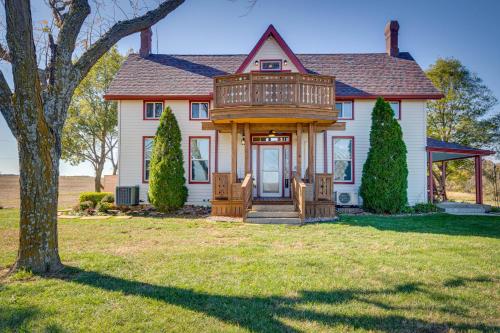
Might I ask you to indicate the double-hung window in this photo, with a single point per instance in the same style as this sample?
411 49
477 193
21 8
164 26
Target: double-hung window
200 110
146 158
345 110
153 110
199 169
343 159
396 107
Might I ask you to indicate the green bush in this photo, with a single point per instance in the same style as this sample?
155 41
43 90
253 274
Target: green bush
110 198
103 207
384 182
167 189
426 208
95 197
86 205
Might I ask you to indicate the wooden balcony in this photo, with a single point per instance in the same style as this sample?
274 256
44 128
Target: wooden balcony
270 97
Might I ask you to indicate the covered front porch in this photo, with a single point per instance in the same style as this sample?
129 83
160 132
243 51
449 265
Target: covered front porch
274 120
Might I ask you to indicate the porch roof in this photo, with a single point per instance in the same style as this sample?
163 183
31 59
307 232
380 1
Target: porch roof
445 151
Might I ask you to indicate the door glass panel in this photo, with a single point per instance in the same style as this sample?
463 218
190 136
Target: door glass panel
271 160
270 181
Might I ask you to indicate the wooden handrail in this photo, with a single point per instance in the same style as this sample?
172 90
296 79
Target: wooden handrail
290 89
246 191
299 196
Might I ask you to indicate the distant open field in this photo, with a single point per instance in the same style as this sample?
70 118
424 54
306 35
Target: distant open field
469 197
69 189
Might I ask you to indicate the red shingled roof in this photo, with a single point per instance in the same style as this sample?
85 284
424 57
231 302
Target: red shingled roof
357 75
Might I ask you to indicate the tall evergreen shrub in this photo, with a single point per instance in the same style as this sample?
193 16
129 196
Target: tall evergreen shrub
385 173
167 189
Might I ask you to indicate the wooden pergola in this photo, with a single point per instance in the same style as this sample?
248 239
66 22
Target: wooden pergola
442 151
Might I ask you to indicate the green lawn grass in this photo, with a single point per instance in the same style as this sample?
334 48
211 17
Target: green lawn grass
434 273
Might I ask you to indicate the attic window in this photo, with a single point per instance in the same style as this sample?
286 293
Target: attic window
270 65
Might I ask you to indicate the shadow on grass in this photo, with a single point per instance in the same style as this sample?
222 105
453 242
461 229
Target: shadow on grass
267 314
483 226
14 318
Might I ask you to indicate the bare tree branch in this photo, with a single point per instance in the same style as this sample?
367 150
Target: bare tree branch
117 32
6 107
4 54
73 21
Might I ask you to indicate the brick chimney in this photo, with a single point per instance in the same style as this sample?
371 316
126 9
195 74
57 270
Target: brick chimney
146 35
391 38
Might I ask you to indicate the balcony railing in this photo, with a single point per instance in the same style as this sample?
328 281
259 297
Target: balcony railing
280 89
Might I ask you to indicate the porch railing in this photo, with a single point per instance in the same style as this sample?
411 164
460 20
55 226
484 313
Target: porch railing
221 189
247 193
292 89
324 186
299 196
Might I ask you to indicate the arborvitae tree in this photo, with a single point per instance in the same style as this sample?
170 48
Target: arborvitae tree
384 182
167 189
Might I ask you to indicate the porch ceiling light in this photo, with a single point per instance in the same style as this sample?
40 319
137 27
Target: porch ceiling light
272 133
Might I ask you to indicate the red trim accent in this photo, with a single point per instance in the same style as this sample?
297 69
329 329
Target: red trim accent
325 152
289 135
353 158
461 151
341 100
191 114
216 143
270 70
209 96
144 181
144 102
389 97
271 31
209 158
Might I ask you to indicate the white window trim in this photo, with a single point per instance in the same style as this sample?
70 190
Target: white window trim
154 110
191 110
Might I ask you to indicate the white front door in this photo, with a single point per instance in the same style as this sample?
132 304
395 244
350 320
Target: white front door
271 171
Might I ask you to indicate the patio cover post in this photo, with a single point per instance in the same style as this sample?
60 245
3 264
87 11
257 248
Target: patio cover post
479 179
429 180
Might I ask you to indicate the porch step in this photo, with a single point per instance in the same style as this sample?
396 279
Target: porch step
264 214
274 220
458 208
273 208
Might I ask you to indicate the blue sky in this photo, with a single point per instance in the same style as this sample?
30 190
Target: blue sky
467 30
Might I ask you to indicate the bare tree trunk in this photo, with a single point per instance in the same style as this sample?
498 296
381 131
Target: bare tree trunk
36 112
39 180
98 177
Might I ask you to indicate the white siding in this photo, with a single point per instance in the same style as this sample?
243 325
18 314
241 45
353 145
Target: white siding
270 50
413 125
133 128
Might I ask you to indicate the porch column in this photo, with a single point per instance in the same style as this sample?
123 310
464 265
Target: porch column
299 150
234 152
248 151
430 184
312 150
479 179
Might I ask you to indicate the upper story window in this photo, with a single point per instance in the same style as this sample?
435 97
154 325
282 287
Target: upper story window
200 110
345 109
153 110
396 107
270 65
